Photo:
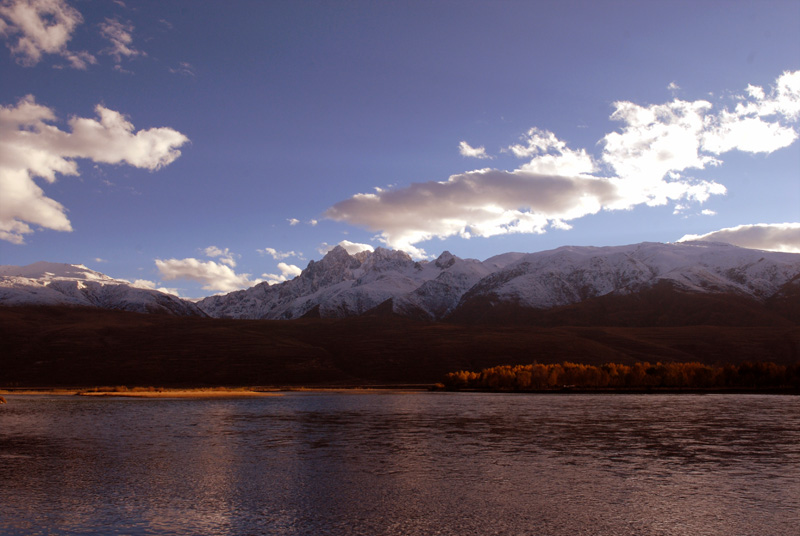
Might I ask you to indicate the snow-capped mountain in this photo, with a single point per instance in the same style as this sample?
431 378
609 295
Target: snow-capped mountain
572 274
46 283
343 285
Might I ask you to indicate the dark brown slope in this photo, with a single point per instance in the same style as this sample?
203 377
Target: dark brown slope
85 347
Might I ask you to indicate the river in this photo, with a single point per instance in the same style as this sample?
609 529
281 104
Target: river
316 463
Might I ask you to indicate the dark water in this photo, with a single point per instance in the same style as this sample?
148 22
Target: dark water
392 464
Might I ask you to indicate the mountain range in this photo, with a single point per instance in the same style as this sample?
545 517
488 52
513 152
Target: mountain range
450 288
504 288
382 318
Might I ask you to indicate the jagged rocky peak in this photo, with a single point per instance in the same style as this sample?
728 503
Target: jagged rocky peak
445 260
338 255
334 266
383 259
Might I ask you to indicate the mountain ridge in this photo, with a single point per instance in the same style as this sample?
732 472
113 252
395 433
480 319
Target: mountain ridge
512 287
58 284
342 285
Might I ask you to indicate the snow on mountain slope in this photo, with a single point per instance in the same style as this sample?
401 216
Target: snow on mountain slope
342 285
572 274
45 283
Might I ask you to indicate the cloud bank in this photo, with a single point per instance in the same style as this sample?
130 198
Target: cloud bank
34 28
644 162
771 237
32 146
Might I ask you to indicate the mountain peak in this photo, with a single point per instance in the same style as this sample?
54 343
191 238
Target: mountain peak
445 260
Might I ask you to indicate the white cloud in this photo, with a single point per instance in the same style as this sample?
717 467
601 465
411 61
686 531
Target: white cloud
643 162
485 203
288 271
183 68
472 152
279 255
119 35
151 285
768 236
213 275
293 221
746 129
349 247
551 156
226 257
31 146
37 27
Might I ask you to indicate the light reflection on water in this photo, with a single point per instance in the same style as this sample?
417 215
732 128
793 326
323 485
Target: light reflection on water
428 463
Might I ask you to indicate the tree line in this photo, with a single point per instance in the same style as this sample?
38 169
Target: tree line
643 375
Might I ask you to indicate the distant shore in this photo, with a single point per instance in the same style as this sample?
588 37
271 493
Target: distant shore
144 393
205 392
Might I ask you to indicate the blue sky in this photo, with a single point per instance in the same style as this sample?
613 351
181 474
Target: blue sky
205 146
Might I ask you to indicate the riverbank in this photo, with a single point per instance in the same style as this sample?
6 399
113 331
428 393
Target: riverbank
144 392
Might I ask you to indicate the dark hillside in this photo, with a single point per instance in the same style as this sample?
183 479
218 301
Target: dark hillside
47 346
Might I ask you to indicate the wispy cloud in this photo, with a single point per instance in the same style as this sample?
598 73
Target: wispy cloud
280 255
32 146
184 68
119 34
644 162
34 28
473 152
767 236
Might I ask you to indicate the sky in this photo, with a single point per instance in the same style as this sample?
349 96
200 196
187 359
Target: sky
203 147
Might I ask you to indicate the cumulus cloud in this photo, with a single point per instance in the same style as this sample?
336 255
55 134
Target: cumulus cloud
34 28
647 161
225 255
119 35
767 236
31 146
214 276
349 247
472 152
279 255
288 271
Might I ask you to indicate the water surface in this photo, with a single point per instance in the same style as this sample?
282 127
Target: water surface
397 464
